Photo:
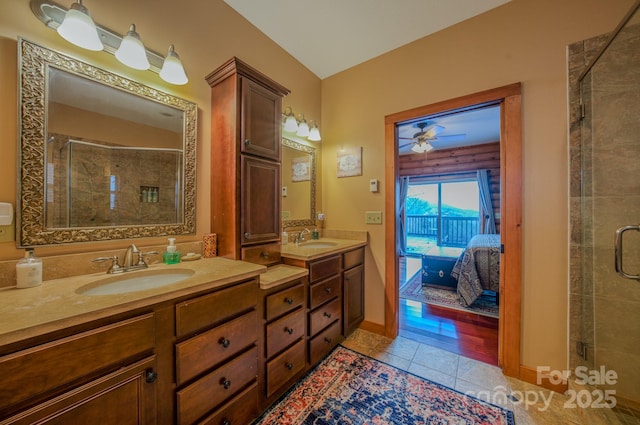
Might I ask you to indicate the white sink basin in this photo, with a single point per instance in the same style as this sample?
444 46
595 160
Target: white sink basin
317 244
134 281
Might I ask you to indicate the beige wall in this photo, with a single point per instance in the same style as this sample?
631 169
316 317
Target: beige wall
205 33
523 41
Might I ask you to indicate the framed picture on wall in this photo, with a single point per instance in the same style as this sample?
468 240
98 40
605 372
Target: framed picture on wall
350 162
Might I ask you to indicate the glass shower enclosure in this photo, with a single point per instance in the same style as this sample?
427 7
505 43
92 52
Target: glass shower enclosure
605 208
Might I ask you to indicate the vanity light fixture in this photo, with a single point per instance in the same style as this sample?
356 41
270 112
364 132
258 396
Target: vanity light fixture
55 17
132 52
299 126
314 133
78 28
303 127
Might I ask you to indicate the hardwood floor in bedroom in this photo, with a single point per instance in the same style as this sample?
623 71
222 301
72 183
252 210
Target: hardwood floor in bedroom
467 334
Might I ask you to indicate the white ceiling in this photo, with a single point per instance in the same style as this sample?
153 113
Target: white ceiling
329 36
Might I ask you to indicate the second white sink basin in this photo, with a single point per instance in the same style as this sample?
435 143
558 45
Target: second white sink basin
317 244
135 281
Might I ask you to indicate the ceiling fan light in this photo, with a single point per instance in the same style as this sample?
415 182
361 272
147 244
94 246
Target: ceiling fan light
78 28
172 70
303 128
132 52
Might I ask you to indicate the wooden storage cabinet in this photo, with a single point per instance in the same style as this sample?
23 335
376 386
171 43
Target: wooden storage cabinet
246 114
79 376
353 290
216 355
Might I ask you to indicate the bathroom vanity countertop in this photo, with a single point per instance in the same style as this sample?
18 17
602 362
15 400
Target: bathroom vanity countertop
281 273
300 252
54 305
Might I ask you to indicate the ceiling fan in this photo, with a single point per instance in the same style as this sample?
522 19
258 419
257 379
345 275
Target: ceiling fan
428 133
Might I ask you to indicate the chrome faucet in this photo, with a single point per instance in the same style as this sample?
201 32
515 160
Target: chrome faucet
128 263
302 233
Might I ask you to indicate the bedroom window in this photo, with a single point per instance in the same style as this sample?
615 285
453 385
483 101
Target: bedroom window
441 213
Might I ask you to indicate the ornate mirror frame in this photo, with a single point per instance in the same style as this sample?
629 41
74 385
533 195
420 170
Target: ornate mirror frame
34 63
312 202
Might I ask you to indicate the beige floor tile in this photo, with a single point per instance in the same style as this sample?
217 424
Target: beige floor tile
436 358
401 347
392 359
433 375
482 374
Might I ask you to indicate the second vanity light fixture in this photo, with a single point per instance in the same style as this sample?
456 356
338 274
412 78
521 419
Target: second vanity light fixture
76 26
299 126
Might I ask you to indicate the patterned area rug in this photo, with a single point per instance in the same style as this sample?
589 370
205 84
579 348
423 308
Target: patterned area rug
349 388
413 290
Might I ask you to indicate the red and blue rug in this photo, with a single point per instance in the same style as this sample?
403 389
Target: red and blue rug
349 388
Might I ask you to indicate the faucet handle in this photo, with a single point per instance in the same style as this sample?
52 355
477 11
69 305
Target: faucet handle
142 257
115 265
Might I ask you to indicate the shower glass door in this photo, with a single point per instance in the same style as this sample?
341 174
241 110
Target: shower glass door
610 200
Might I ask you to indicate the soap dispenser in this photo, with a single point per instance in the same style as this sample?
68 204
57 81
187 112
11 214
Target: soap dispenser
315 234
172 255
29 270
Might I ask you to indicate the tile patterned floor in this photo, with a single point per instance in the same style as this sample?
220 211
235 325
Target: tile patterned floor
531 405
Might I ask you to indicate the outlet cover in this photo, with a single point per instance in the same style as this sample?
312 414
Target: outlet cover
286 215
7 233
373 217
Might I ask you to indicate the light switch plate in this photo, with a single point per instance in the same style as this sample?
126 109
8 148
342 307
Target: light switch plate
286 215
373 217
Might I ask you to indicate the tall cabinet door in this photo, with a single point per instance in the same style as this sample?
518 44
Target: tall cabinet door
260 218
261 108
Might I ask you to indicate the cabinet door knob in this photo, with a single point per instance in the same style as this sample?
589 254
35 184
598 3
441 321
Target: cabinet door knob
288 300
224 342
247 142
327 340
289 365
288 330
327 290
247 235
327 315
150 376
225 383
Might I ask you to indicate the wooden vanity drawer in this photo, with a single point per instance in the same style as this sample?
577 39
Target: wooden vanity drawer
324 342
240 410
262 254
203 312
284 301
324 291
353 258
213 389
206 350
36 370
324 315
285 331
284 367
325 267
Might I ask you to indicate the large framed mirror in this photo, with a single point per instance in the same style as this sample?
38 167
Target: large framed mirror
298 184
101 157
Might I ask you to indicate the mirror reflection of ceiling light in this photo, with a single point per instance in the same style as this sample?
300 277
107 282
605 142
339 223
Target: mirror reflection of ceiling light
422 147
76 26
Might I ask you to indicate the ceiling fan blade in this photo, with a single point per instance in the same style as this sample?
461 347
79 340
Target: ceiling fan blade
451 138
433 131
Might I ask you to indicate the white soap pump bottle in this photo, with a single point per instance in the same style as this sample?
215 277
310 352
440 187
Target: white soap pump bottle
29 270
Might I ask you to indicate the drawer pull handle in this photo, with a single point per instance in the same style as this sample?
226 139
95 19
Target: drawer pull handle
441 273
224 342
289 365
327 340
225 383
265 254
226 422
150 376
327 290
347 279
288 330
288 300
327 315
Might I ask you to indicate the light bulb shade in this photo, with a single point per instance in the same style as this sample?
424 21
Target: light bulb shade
78 28
172 70
132 52
303 128
314 134
422 147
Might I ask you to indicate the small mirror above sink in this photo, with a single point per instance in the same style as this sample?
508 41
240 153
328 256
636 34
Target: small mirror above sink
317 244
134 282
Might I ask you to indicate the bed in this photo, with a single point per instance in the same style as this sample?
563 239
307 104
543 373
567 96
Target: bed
478 268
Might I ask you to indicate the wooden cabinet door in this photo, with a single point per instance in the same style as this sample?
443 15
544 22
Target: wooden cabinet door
260 204
353 293
261 132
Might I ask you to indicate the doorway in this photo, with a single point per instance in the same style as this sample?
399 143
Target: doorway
509 99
